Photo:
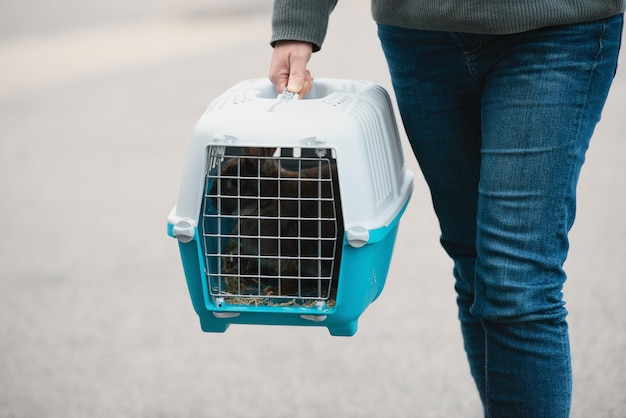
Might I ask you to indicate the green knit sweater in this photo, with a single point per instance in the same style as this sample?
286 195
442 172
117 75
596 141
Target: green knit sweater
307 20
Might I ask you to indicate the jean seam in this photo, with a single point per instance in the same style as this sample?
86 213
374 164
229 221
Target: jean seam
487 397
468 54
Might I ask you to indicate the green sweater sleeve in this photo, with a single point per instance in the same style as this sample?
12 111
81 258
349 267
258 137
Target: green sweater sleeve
301 20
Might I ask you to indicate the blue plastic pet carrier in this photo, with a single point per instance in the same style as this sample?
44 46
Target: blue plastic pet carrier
288 208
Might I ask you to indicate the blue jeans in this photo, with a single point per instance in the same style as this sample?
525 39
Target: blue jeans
500 125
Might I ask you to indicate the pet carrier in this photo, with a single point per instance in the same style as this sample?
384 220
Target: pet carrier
289 208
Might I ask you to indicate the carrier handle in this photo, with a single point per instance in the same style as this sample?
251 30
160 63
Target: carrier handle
283 99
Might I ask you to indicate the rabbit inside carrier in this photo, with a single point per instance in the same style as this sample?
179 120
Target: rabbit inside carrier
285 222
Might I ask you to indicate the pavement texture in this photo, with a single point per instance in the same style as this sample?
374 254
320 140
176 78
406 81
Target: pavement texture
97 104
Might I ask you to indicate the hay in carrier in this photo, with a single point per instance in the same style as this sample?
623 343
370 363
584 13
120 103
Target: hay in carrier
250 292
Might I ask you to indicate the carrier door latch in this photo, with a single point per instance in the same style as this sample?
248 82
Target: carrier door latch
357 236
184 231
320 305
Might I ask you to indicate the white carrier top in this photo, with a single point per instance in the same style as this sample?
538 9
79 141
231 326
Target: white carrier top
353 118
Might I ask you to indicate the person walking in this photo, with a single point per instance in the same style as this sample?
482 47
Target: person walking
499 101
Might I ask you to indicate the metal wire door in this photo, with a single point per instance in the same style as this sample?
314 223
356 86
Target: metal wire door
271 226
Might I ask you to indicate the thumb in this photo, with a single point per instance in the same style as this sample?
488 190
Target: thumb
296 80
298 74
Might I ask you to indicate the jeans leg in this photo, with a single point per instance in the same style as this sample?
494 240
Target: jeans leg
439 102
541 102
500 128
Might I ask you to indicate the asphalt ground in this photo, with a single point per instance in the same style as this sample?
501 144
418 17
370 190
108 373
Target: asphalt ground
97 104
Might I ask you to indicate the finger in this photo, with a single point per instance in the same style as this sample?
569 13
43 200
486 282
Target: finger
279 70
279 79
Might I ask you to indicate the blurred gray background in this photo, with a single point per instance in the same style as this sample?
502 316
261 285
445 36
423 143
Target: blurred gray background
97 104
